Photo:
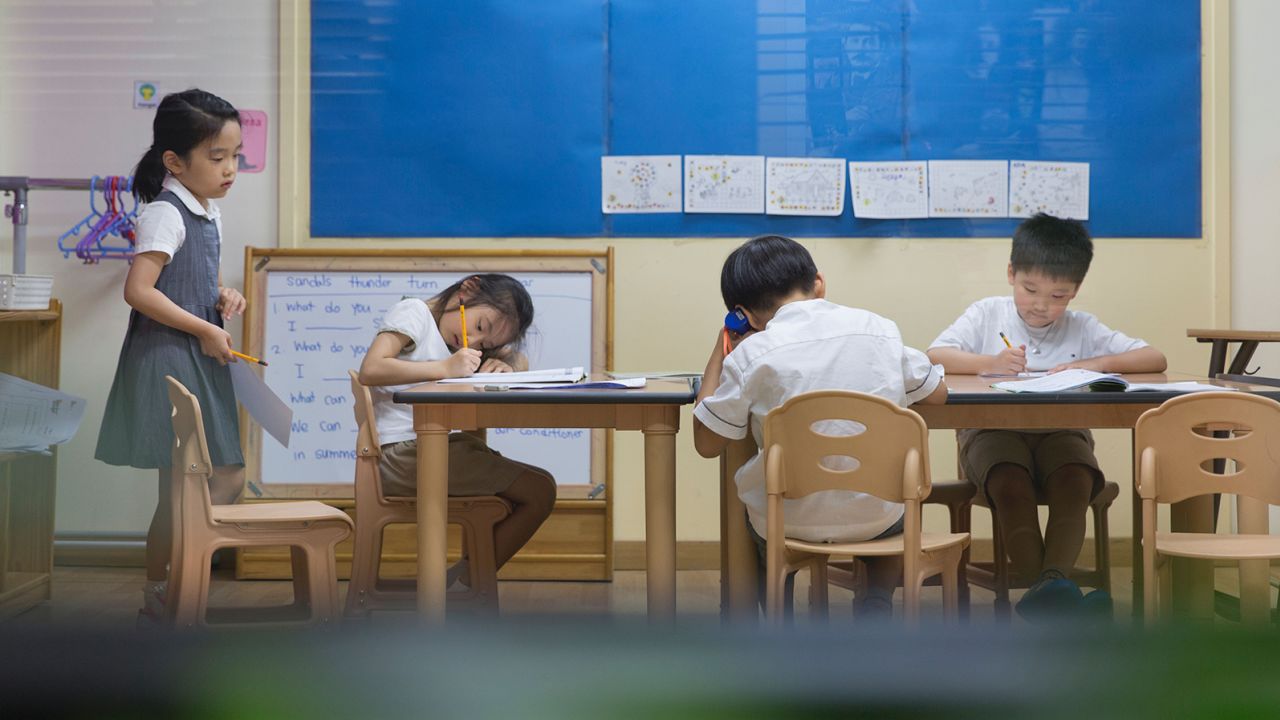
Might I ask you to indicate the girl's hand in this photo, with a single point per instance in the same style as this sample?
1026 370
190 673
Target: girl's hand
495 365
230 302
1010 361
216 343
462 363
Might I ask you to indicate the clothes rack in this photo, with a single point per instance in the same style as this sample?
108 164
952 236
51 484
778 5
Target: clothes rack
17 211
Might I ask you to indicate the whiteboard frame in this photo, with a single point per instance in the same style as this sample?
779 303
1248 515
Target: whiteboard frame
260 261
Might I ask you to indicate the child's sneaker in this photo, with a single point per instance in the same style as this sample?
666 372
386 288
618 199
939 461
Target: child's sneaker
1053 595
1097 605
876 607
151 616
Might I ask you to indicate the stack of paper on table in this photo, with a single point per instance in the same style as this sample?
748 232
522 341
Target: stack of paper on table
34 417
1076 378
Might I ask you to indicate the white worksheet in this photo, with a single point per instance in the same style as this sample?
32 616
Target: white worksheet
1060 189
724 183
969 188
640 183
886 190
804 186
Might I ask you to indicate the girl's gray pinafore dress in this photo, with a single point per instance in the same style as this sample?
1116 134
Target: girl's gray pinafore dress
137 428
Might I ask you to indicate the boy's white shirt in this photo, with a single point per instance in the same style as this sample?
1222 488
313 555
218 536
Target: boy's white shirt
159 227
1074 336
410 317
815 345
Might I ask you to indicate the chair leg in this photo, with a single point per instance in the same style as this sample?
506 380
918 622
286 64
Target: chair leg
950 588
1102 548
1000 569
1149 599
366 551
301 577
480 552
818 606
911 587
961 521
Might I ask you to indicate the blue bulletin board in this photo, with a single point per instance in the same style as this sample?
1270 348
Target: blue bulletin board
489 118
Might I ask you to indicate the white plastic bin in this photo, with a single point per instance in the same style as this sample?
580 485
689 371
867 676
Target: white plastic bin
25 292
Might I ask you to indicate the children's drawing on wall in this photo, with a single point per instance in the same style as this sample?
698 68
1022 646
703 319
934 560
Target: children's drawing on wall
1060 189
724 183
968 188
805 186
889 189
640 183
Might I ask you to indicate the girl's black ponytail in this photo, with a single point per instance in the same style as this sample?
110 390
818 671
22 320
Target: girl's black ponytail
148 175
183 121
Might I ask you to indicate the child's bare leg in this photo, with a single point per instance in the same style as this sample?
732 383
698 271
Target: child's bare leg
1014 498
160 534
226 484
1068 491
532 496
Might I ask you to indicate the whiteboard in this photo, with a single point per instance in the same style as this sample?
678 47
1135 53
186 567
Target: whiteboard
318 324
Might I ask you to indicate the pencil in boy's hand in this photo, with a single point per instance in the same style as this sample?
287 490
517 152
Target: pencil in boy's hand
249 358
462 317
1006 341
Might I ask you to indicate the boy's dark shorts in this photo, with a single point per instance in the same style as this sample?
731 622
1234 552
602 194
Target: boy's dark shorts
1040 454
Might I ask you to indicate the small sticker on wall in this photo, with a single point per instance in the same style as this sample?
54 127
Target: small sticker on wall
145 95
253 136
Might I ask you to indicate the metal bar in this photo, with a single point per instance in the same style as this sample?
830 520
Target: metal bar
18 211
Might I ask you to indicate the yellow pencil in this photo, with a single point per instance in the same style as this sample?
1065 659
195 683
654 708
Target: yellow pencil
1006 341
249 358
462 316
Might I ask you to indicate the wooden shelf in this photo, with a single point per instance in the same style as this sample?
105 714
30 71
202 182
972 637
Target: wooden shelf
53 313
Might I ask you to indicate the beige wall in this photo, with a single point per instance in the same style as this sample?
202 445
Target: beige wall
66 83
73 125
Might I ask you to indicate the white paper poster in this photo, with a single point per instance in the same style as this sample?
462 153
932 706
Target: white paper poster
724 183
253 393
640 183
1060 189
969 188
33 417
805 186
889 189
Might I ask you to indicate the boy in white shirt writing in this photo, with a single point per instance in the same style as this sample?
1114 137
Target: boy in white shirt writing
1049 260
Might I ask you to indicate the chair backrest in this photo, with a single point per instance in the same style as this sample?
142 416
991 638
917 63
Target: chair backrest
1176 446
191 464
368 479
367 441
805 454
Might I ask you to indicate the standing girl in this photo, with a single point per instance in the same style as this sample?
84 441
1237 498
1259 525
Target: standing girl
179 304
422 340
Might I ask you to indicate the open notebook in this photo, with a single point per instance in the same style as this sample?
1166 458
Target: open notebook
1076 378
555 375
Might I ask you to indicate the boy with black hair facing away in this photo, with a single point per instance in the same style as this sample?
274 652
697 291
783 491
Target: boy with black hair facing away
799 342
1049 260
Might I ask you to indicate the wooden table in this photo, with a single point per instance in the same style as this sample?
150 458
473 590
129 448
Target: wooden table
1222 339
653 410
973 403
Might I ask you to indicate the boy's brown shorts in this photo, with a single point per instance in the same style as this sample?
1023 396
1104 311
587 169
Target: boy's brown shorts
1040 454
474 468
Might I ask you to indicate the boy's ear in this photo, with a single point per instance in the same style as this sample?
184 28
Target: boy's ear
820 287
757 323
1010 271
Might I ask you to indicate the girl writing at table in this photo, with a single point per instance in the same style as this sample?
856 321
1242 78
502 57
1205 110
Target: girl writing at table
424 340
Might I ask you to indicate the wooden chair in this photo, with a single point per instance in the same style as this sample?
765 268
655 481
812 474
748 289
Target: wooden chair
476 515
893 464
310 529
1177 446
995 575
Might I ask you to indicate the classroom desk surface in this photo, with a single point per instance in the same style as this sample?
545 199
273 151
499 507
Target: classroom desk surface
653 410
971 403
1222 339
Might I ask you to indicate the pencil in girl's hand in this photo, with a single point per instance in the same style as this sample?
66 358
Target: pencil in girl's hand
462 317
242 356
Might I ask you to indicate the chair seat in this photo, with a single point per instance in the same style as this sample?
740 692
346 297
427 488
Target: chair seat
1209 547
281 512
929 542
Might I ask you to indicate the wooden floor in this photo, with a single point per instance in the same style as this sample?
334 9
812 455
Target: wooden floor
108 597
